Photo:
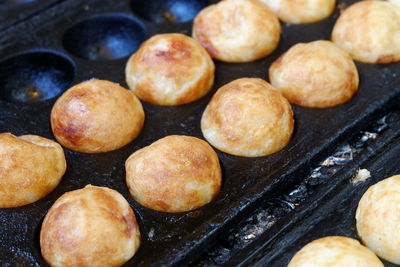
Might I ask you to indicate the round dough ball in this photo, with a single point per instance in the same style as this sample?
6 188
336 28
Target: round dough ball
31 167
93 226
174 174
170 69
370 32
96 116
237 30
248 117
338 251
378 219
317 74
301 11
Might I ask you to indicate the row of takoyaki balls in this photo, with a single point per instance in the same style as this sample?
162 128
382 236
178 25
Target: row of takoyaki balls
246 117
246 30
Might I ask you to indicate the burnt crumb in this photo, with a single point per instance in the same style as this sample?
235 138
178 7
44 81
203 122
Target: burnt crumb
282 208
222 256
219 256
361 142
342 155
313 182
385 122
364 138
298 195
382 124
318 176
392 118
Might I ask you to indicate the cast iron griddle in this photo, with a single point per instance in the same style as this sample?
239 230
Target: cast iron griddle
276 245
64 49
335 214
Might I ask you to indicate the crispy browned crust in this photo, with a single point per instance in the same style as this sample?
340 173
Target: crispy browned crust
170 69
30 167
301 11
174 174
96 116
369 31
93 226
378 219
237 30
317 74
338 251
248 117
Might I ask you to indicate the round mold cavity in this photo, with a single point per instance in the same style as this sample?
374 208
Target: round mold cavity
35 76
159 11
104 37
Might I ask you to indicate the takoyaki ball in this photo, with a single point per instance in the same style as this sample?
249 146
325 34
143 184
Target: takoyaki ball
378 219
237 30
317 74
248 117
338 251
369 31
96 116
301 11
31 167
170 69
93 226
174 174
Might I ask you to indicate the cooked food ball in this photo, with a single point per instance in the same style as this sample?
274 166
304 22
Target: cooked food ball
370 32
170 69
378 219
317 74
92 226
301 11
248 117
237 30
31 167
174 174
96 116
338 251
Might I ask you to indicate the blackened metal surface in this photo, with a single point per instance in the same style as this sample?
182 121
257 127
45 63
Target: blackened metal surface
250 238
335 213
173 239
15 11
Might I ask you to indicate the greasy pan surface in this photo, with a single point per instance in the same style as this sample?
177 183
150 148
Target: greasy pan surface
67 52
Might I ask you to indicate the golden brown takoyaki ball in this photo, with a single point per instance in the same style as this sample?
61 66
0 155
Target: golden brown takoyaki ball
96 116
170 69
174 174
301 11
93 226
237 30
248 117
338 251
378 219
370 32
317 74
31 167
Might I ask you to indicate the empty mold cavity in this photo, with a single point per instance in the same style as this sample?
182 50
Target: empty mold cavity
159 11
35 76
104 37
